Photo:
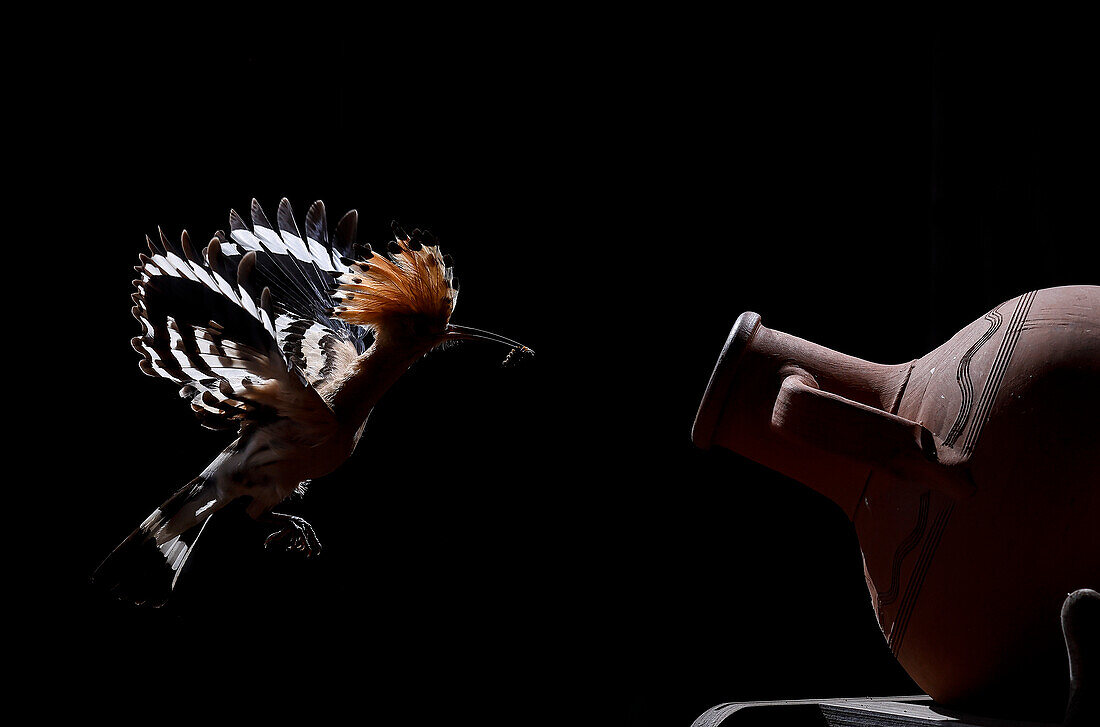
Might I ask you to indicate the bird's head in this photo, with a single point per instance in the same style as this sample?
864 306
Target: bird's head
407 294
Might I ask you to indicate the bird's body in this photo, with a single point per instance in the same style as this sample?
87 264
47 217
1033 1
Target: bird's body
291 340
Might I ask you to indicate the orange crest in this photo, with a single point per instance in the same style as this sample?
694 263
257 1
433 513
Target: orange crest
413 280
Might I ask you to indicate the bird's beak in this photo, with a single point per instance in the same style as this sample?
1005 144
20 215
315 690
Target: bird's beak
465 333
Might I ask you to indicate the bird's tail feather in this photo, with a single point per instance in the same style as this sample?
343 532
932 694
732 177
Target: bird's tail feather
144 567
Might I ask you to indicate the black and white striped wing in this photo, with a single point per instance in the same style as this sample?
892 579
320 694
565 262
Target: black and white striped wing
241 325
301 270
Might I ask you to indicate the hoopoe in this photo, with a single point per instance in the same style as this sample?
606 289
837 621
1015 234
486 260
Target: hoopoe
290 339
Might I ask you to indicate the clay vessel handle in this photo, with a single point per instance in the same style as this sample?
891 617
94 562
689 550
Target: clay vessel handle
866 434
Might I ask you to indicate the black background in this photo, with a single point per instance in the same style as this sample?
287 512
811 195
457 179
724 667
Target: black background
509 544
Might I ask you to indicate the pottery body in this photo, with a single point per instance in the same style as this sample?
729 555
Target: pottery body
971 475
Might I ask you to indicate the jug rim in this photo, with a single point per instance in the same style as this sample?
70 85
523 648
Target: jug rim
710 408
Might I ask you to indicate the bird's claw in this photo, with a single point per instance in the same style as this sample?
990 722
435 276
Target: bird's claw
296 534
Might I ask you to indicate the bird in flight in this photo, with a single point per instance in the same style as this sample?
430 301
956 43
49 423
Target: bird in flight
289 337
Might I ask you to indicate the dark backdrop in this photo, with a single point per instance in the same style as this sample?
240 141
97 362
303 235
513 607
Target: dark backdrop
542 539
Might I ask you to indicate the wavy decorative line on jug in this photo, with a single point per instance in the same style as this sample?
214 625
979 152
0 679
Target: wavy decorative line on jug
966 385
997 372
912 590
905 547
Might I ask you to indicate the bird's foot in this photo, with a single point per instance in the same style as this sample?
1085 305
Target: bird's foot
295 534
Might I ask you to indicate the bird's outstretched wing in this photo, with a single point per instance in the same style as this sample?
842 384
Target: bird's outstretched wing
301 271
244 324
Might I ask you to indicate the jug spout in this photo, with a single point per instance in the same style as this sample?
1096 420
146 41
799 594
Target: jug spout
816 415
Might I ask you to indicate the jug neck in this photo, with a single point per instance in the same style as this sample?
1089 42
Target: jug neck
736 412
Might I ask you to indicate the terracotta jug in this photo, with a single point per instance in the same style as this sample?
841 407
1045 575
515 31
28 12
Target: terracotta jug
971 476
